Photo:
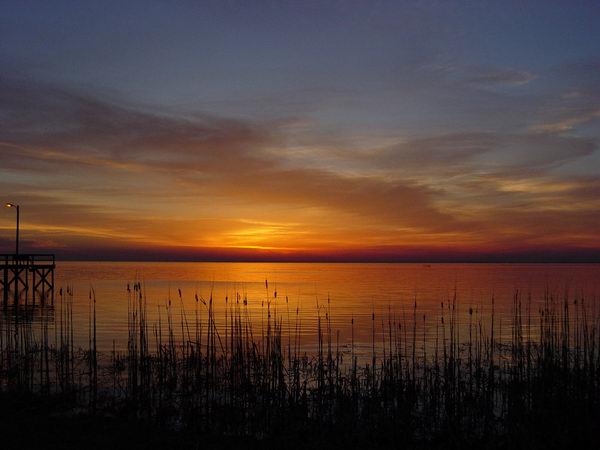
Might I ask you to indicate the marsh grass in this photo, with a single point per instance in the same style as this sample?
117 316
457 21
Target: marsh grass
452 380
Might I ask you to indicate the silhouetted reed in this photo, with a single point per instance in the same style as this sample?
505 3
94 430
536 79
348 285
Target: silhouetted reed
454 376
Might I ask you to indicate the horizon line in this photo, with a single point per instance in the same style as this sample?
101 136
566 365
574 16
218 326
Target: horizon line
340 261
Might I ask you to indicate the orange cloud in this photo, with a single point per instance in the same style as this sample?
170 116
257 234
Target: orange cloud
105 180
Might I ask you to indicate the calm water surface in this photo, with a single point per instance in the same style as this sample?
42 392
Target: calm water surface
342 291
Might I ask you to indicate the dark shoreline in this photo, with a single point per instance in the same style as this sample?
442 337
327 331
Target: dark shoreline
32 422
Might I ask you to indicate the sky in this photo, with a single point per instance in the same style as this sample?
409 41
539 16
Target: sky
301 130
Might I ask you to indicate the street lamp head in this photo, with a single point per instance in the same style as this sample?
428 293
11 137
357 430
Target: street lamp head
10 205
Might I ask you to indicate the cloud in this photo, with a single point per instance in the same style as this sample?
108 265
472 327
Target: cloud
497 76
478 153
566 124
225 161
99 174
436 152
52 124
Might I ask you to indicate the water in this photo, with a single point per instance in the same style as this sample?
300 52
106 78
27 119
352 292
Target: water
459 380
342 291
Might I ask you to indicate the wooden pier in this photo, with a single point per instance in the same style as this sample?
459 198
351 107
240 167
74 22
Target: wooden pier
27 276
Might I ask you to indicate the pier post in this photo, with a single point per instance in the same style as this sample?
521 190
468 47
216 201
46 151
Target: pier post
5 285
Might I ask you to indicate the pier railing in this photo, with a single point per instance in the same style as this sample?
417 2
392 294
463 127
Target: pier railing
27 275
28 260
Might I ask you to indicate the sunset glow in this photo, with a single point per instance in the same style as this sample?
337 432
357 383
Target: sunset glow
296 132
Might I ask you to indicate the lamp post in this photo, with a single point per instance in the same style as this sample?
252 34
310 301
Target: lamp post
12 205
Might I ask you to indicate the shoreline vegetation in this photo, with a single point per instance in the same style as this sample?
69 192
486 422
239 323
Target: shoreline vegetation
197 379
